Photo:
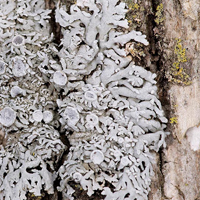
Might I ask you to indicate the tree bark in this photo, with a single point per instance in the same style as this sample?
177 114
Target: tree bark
173 32
177 170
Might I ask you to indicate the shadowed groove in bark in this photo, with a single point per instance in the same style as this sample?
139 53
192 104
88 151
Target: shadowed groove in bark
157 59
55 28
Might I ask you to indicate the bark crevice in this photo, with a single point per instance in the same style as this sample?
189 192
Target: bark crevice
156 35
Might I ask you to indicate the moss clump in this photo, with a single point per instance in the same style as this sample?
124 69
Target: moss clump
159 14
178 74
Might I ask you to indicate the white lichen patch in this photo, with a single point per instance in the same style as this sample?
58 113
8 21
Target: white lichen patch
193 136
15 91
90 96
23 164
113 118
87 89
37 116
2 67
60 78
33 147
77 177
71 115
7 116
18 41
47 116
18 67
97 157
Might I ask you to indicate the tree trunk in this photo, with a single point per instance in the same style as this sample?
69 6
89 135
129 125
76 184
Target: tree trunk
177 44
172 30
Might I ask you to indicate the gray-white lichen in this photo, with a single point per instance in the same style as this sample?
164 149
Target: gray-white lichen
88 89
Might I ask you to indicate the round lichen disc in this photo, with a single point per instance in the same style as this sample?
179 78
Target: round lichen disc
37 115
60 78
7 116
97 157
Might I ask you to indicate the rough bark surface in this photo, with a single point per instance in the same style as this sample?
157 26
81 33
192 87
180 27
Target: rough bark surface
181 165
173 31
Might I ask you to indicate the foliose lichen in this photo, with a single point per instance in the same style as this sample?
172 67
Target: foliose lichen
33 147
116 119
88 89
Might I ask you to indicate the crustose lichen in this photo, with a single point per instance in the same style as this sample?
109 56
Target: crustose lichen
178 73
159 15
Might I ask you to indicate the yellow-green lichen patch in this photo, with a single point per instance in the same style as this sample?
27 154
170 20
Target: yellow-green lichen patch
159 14
177 72
78 187
180 52
31 196
173 120
134 14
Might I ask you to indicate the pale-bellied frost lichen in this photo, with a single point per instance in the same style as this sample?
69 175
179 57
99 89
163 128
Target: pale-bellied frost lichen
117 119
87 89
33 147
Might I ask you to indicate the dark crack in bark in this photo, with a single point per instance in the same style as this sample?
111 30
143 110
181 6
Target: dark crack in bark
55 28
156 36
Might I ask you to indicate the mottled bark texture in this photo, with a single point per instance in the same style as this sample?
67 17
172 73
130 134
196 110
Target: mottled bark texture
172 28
180 165
178 174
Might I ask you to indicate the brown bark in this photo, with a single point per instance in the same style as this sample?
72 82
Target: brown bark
179 165
173 54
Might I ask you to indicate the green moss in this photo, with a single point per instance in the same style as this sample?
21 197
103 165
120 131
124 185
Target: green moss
159 14
177 72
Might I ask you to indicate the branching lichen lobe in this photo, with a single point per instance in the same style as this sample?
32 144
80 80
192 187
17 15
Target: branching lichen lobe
111 116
